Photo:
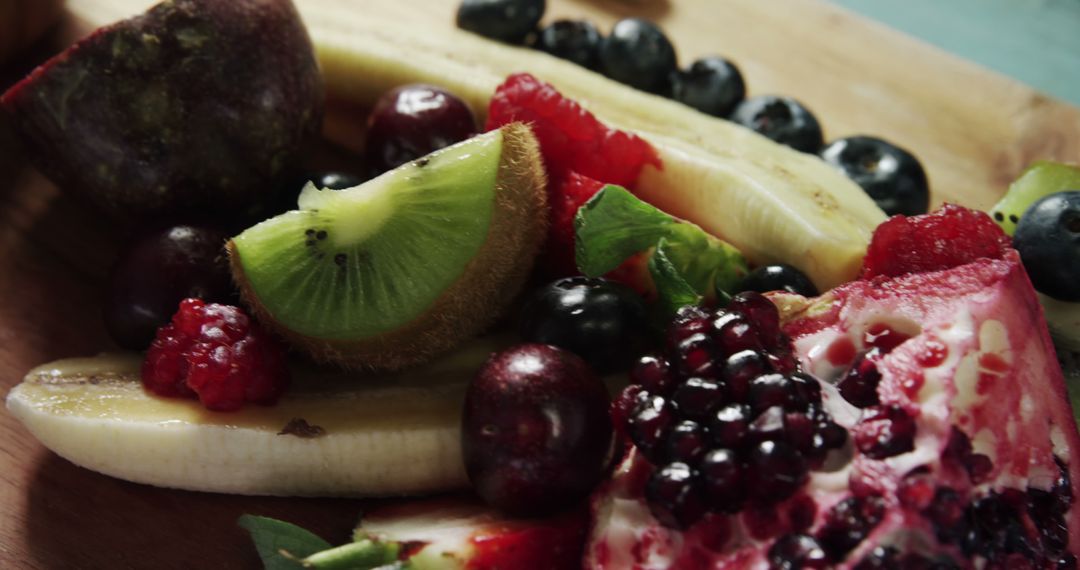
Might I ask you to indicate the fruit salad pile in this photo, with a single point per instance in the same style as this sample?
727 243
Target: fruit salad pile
559 308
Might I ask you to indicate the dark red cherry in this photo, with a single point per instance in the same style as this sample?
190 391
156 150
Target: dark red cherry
412 121
535 431
159 270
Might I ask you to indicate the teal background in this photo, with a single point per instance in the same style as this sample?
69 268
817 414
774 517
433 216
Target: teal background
1034 41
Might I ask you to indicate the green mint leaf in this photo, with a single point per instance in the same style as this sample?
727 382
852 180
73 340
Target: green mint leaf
614 225
281 545
673 290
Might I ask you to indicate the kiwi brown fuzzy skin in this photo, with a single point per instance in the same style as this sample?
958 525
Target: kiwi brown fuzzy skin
473 302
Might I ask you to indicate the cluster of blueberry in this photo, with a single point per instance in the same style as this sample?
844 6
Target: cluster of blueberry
639 54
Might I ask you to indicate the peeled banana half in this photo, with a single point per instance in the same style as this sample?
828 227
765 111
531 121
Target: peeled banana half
334 435
330 435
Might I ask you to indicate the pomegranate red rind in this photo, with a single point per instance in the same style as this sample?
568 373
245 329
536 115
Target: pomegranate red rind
571 138
948 237
217 354
990 479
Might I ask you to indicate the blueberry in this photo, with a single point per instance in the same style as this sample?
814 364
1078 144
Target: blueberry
712 85
891 175
638 54
509 21
779 277
572 40
783 120
603 322
1048 239
335 180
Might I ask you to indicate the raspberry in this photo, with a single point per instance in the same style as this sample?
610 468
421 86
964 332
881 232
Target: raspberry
948 237
566 195
571 138
217 354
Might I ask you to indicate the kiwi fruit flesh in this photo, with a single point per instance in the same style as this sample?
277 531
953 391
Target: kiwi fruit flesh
405 266
1040 179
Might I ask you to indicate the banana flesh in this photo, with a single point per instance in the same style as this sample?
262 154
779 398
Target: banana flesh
380 436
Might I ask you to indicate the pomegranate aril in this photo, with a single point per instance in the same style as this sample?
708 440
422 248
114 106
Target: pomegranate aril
730 425
770 390
795 552
848 523
799 431
688 321
733 333
649 425
687 442
760 311
722 480
697 398
777 469
784 362
653 373
694 355
741 368
673 496
807 389
885 432
769 425
859 385
622 409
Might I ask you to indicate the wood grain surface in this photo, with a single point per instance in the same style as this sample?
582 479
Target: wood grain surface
974 130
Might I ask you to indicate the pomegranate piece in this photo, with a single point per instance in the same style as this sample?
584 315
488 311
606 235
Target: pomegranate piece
960 453
217 354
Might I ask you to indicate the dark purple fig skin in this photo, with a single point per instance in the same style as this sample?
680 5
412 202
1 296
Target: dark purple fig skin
536 433
196 105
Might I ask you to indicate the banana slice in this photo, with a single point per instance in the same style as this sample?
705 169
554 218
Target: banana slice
330 435
333 434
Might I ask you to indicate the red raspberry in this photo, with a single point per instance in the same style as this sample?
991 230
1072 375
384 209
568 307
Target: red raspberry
951 236
571 138
566 194
217 354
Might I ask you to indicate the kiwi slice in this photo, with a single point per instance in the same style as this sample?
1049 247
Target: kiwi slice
1040 179
406 266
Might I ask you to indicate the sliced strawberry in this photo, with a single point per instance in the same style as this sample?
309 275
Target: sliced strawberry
464 534
571 138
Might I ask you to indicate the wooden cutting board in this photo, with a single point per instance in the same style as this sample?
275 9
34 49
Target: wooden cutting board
973 129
